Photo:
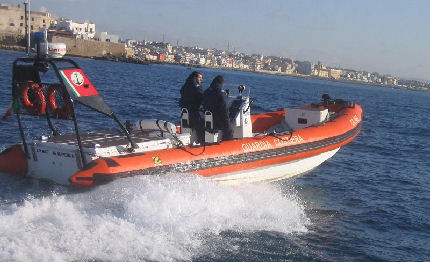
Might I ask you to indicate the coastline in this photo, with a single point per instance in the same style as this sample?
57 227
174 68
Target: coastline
295 75
135 60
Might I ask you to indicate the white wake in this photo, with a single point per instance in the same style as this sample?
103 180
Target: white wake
152 218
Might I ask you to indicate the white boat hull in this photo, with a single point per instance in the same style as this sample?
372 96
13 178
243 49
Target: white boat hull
275 172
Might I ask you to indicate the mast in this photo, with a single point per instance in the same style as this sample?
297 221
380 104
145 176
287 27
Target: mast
27 25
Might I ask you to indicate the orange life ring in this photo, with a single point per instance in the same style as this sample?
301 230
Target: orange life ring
64 111
32 98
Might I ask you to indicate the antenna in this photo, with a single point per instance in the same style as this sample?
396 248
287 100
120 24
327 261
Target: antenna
27 24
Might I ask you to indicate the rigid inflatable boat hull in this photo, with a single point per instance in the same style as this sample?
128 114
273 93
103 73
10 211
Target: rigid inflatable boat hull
275 172
262 157
301 151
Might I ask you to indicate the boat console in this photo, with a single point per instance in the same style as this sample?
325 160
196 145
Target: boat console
240 118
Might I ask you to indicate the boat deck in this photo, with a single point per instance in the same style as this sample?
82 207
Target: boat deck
102 138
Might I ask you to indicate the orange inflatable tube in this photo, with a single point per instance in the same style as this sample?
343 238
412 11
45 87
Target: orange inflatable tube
13 161
233 155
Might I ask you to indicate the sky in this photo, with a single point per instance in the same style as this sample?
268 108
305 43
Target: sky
384 36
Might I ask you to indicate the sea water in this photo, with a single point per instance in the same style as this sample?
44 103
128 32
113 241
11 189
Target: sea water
367 203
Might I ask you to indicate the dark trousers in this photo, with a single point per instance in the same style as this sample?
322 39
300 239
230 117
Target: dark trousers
196 123
227 134
223 125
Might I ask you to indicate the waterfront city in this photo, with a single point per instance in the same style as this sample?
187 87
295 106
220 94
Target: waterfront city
113 47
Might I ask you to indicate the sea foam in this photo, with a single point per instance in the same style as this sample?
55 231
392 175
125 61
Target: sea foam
163 218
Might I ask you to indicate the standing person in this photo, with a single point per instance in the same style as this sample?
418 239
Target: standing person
191 99
214 100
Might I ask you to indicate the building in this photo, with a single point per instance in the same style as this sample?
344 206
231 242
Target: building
179 58
322 72
229 62
84 30
12 20
288 68
389 80
335 73
304 68
189 57
129 52
161 57
201 60
170 58
105 37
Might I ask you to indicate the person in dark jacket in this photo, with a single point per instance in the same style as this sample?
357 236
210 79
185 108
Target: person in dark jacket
191 99
214 100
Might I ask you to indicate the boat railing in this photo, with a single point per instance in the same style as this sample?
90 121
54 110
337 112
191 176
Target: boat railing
28 69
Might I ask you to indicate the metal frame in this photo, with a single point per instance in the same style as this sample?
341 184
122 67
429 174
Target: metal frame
52 62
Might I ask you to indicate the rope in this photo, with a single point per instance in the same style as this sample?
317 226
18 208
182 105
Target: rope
161 130
181 145
280 138
274 134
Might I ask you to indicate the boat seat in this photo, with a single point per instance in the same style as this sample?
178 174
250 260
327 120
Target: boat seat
211 135
185 119
185 125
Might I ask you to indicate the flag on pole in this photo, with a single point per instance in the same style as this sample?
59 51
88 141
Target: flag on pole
8 113
12 109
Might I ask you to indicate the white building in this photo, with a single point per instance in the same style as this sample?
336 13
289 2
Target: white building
105 37
84 30
201 60
130 42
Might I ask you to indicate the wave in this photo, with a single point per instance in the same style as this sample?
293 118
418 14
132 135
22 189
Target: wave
163 218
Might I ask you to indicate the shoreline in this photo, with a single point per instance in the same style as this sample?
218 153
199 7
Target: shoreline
295 75
145 62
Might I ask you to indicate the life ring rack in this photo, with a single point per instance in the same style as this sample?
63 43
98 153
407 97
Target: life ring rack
64 111
32 98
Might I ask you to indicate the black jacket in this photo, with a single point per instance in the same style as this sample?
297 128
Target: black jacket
214 100
191 95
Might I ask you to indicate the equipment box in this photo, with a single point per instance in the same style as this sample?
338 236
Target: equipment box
298 118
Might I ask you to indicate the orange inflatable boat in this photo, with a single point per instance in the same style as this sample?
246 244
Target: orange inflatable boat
266 147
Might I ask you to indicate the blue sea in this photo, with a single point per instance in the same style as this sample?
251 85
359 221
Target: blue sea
370 202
